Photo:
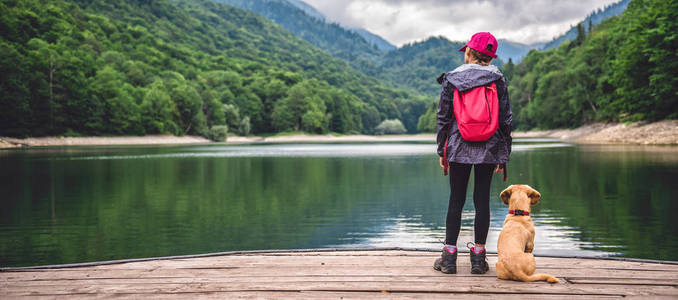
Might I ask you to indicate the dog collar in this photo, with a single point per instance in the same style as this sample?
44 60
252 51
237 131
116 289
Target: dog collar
519 212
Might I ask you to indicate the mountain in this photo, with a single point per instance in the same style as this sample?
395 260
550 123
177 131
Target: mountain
414 66
371 38
594 18
309 10
513 50
179 67
417 65
375 40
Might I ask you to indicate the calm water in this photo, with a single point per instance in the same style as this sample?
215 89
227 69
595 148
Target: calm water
65 205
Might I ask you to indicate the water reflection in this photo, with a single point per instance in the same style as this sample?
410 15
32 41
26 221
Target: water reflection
303 150
66 205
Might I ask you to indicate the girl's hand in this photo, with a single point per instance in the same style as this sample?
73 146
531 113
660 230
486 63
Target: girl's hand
499 169
442 162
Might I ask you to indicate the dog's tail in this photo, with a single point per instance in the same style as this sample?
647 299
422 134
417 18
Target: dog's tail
536 277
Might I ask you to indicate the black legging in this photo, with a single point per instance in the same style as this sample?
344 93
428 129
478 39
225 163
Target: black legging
459 175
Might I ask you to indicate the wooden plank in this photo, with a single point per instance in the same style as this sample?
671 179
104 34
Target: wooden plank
352 253
348 278
346 286
623 281
455 285
316 271
289 272
299 295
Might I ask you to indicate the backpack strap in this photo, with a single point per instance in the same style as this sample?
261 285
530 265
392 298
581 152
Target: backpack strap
447 164
504 172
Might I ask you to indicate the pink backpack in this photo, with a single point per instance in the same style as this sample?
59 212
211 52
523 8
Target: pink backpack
477 112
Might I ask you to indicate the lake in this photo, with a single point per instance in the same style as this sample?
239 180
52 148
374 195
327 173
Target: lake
79 204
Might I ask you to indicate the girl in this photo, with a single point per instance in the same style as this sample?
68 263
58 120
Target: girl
461 156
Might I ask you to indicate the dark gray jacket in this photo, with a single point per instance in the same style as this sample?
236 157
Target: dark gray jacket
496 150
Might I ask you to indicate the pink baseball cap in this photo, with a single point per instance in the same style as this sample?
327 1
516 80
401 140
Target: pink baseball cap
483 42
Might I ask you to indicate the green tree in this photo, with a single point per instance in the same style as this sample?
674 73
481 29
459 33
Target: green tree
245 127
158 110
189 105
427 121
390 127
303 99
314 121
15 112
217 133
508 70
370 118
121 113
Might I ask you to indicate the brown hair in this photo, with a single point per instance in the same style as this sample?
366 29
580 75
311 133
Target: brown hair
483 59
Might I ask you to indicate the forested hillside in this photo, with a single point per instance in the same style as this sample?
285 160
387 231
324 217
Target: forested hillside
626 69
179 67
331 37
413 67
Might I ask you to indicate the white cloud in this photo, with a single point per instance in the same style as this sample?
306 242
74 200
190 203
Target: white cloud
401 22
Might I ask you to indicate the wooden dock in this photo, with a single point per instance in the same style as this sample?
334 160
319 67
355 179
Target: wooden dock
350 274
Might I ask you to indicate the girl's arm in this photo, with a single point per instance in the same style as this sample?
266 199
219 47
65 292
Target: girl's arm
444 114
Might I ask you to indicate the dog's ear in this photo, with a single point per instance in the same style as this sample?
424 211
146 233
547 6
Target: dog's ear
534 195
506 194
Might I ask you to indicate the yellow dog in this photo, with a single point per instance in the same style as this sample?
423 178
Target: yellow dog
516 240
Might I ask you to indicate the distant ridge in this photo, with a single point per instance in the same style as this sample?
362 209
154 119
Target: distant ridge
375 40
596 18
371 38
310 24
308 9
514 50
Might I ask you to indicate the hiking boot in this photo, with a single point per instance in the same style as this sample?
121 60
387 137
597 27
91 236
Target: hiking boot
479 262
447 262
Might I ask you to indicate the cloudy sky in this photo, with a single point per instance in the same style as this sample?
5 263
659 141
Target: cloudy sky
403 21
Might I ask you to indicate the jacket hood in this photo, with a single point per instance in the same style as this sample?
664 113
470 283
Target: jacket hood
468 76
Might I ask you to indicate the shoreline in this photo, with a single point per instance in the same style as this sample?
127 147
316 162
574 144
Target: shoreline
57 141
639 133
